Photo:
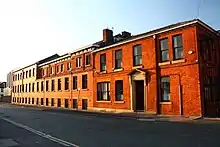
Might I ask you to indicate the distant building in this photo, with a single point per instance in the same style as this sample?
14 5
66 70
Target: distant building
9 80
2 86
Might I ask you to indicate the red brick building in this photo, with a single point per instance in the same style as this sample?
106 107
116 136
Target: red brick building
174 70
166 71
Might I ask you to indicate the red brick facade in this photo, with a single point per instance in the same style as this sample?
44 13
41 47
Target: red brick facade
142 83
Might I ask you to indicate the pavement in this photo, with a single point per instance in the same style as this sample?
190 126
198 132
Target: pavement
30 127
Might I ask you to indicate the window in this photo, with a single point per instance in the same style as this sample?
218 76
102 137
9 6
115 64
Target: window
29 100
18 76
22 87
177 47
118 59
29 87
165 89
52 85
88 57
32 87
26 74
103 91
69 66
164 53
37 86
62 67
52 101
42 86
74 82
58 102
51 70
37 101
66 83
58 68
103 62
137 55
78 62
32 100
23 75
47 85
26 88
59 84
30 73
84 81
25 100
45 72
119 90
47 102
33 72
42 101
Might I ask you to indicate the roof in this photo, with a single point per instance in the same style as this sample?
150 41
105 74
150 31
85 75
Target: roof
158 31
48 59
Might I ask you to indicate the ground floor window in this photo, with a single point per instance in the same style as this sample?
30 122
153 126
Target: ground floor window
75 105
37 101
66 103
58 102
165 89
47 102
52 101
22 100
119 90
25 100
29 100
42 101
32 100
103 91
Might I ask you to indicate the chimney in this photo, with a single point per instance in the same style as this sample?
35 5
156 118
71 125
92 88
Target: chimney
107 36
126 34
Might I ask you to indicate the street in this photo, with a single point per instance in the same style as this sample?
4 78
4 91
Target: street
28 127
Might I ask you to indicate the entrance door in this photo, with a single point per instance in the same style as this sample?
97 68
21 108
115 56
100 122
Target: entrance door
139 95
84 104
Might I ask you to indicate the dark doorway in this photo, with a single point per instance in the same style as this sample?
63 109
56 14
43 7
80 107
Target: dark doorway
66 103
84 104
75 103
139 95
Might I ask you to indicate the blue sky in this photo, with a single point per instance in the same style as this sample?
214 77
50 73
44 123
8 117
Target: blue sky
34 29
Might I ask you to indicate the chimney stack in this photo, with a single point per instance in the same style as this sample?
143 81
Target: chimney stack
107 36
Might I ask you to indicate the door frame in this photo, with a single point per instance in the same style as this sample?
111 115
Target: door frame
137 75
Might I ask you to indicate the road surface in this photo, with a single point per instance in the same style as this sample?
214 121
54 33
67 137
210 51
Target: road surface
28 127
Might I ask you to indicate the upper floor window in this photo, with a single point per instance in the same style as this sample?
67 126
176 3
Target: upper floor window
62 67
103 62
20 75
45 71
137 55
58 68
30 73
32 87
69 66
42 86
59 84
51 70
74 82
84 81
47 85
103 91
23 75
37 86
78 62
164 53
29 87
88 58
118 59
33 72
26 74
119 90
52 85
165 89
177 47
66 83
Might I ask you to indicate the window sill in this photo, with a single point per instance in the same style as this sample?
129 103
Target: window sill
79 67
85 89
119 102
138 66
59 90
74 90
88 65
103 101
67 90
164 63
178 61
166 103
102 72
118 69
